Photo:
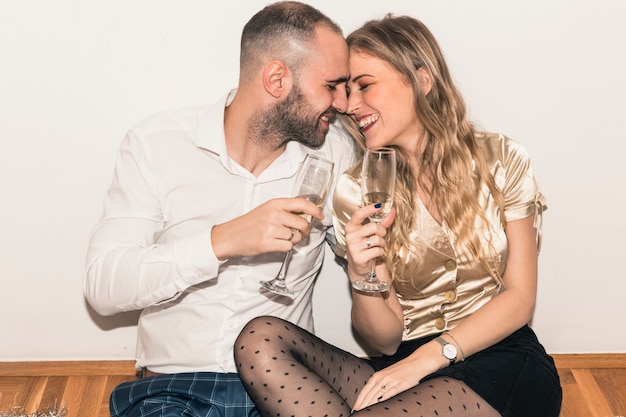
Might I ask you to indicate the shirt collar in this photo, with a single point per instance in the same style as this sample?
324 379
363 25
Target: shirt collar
210 128
210 136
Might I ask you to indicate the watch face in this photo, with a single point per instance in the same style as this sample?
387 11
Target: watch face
449 351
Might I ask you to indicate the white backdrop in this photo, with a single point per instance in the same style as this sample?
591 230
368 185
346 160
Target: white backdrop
75 75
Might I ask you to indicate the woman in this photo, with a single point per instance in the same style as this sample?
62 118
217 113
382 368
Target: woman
460 250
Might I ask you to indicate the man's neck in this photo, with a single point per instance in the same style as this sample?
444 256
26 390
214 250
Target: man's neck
253 155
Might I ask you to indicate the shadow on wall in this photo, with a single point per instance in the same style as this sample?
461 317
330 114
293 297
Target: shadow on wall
106 323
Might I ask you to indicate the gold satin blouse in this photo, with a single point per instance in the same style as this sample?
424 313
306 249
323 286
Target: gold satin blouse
445 287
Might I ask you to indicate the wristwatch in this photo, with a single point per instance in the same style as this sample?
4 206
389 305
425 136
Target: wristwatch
448 349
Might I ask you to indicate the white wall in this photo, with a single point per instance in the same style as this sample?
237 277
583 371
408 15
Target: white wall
75 75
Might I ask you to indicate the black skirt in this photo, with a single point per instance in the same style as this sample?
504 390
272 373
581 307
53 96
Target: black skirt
515 376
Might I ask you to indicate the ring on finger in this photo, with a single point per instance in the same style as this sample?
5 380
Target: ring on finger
368 243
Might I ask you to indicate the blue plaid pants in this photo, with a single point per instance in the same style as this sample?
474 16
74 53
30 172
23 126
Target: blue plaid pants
198 394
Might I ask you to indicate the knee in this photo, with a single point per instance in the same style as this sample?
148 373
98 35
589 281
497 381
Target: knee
254 337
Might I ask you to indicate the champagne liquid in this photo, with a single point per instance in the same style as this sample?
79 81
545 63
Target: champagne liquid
313 198
378 197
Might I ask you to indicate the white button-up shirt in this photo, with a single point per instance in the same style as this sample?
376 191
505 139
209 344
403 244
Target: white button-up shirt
151 249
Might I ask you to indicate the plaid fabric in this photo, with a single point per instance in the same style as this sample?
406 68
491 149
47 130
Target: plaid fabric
199 394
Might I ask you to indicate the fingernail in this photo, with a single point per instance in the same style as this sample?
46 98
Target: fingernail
352 411
380 398
378 205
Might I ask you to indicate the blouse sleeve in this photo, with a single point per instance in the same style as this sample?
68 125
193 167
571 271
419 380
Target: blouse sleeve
346 200
522 197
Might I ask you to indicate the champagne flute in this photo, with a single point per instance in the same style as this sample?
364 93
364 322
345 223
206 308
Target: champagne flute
378 179
312 182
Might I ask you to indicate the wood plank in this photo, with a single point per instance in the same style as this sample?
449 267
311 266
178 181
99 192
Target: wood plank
13 390
68 368
573 404
612 384
52 394
589 361
33 399
591 393
73 395
95 395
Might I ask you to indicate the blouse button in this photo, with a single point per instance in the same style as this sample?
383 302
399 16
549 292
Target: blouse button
450 265
440 323
450 295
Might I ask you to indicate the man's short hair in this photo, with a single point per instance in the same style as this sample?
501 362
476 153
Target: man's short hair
275 31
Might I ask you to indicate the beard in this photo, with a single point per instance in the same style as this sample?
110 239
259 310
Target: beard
293 119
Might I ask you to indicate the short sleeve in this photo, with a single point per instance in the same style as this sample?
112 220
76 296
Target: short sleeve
520 189
522 197
346 200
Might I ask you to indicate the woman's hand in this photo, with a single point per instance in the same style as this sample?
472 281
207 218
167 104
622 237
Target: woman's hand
377 317
386 383
366 241
401 376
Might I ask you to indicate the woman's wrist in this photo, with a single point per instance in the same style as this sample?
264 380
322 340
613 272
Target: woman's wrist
459 348
354 274
431 358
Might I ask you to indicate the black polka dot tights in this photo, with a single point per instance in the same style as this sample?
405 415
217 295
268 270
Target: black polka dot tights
289 372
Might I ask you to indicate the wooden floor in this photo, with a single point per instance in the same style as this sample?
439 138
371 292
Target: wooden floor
593 386
81 388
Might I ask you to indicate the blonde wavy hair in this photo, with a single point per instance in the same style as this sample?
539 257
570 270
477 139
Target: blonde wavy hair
452 168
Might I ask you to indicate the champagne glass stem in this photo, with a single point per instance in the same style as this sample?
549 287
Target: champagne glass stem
371 275
283 269
371 283
278 284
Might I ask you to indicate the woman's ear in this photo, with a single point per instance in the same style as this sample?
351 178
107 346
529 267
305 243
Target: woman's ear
277 79
425 80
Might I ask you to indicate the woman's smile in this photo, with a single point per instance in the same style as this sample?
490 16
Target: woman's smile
367 121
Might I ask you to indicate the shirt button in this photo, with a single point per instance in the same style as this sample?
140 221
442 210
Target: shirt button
440 323
450 296
450 265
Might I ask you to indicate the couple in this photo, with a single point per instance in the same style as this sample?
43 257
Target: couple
196 216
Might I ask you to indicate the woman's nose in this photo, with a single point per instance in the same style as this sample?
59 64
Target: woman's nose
352 108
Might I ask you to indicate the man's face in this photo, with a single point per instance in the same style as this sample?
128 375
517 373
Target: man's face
319 91
295 118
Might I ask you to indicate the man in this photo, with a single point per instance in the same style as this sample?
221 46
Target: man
197 214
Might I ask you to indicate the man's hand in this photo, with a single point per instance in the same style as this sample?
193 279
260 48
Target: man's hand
275 226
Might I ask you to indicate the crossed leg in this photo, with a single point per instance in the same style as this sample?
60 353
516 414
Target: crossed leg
288 371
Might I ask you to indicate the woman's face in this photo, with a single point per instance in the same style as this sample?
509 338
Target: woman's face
382 103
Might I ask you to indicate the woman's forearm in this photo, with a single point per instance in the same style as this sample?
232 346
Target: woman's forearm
377 317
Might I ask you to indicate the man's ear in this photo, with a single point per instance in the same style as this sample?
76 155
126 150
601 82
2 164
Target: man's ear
277 79
425 80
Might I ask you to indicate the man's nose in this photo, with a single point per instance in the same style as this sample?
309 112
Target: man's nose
340 101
